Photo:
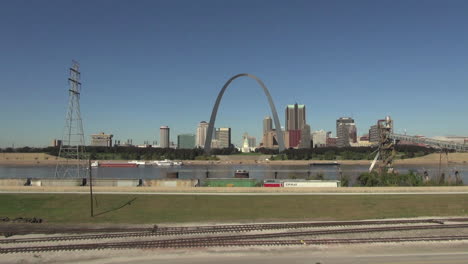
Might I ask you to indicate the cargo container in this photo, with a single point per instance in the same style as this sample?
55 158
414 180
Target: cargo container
311 184
220 182
272 184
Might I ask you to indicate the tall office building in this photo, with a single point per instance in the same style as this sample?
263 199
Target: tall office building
296 127
251 141
270 140
267 125
164 137
186 141
201 134
101 140
374 133
295 117
305 137
346 132
319 139
223 134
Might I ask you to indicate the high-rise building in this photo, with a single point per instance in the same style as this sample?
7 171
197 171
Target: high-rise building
164 137
294 138
56 143
374 134
319 139
305 137
201 134
331 141
223 134
269 140
267 125
346 132
296 126
295 117
101 140
251 141
186 141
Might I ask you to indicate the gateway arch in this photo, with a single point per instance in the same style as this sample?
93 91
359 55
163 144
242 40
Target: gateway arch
279 133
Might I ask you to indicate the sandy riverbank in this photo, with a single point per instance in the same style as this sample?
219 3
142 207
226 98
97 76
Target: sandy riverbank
40 159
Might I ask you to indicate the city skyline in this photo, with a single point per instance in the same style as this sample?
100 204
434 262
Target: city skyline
142 68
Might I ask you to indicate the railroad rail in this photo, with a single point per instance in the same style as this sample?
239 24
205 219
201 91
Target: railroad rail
215 229
162 244
12 230
209 239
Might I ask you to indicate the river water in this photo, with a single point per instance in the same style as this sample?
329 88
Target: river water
259 172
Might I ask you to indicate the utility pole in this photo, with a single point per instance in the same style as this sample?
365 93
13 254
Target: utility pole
91 186
72 147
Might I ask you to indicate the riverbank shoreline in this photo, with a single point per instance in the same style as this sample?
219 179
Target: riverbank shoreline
42 159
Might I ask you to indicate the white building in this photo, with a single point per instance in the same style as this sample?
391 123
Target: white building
164 137
201 134
248 143
319 138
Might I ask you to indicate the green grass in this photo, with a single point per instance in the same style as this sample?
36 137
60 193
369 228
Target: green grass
74 208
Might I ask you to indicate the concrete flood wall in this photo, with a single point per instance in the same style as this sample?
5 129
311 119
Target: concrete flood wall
116 182
172 183
12 182
102 182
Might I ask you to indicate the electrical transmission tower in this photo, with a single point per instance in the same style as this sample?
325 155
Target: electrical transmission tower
72 159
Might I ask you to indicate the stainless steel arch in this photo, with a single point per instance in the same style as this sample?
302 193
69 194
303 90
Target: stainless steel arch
279 133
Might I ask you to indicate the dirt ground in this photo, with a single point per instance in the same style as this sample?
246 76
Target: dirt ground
37 159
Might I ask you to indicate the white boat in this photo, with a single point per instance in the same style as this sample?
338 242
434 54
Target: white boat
138 162
165 162
95 164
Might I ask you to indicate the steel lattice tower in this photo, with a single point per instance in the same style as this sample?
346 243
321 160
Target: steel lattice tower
72 159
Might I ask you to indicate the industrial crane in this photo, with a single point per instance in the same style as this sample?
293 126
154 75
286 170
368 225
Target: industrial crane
387 141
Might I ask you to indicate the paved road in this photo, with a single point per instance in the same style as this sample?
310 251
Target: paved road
384 254
437 258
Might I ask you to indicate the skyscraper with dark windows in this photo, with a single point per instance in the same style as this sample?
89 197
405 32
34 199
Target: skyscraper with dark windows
186 141
346 132
267 125
295 117
296 127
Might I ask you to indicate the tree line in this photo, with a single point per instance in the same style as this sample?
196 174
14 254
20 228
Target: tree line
135 153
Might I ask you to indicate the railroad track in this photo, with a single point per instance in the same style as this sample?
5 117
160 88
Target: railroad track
236 237
171 231
184 244
11 230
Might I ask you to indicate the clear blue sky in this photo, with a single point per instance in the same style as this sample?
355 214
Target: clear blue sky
151 63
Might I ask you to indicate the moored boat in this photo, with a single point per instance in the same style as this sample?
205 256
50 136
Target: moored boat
241 174
117 165
138 162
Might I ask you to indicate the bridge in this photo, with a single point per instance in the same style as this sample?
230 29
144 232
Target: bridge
440 144
387 141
